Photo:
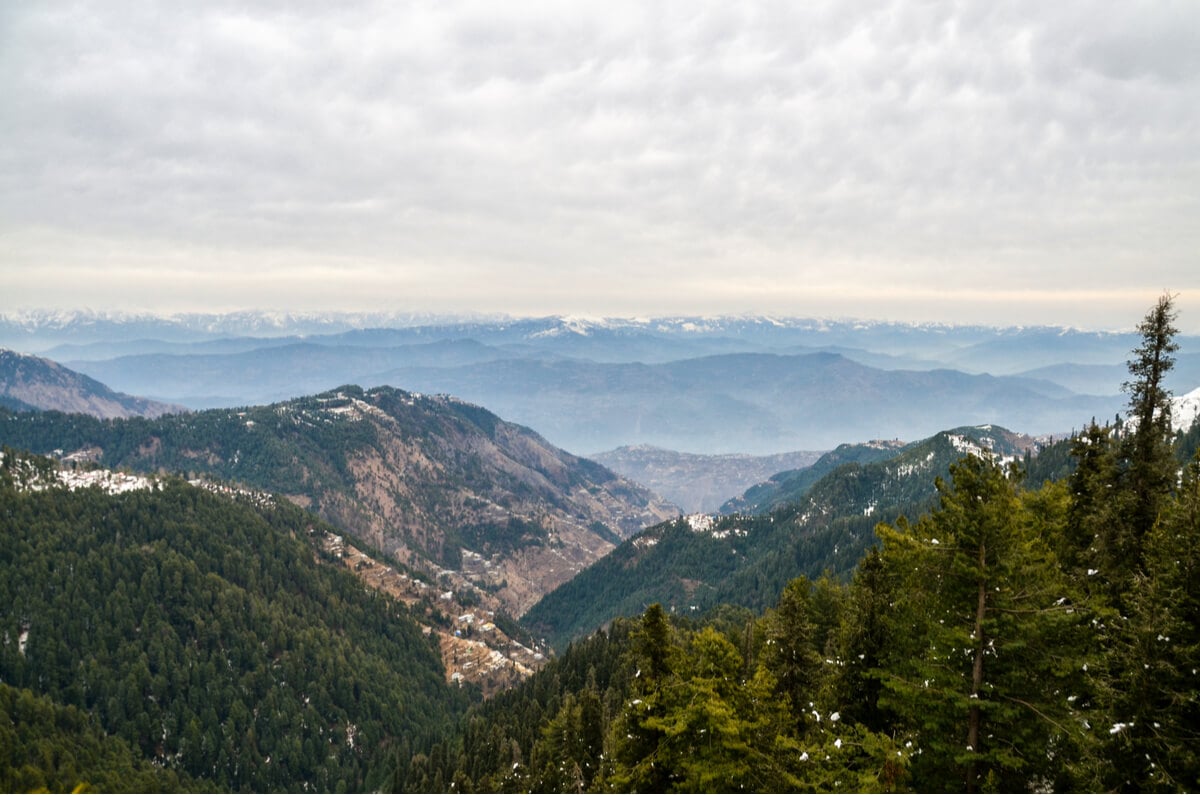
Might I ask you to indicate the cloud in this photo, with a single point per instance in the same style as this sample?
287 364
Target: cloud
549 152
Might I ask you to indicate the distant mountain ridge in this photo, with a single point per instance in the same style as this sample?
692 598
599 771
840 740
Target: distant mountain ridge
709 385
749 403
698 483
739 402
32 383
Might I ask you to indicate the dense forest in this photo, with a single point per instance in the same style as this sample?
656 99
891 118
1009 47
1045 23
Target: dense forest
204 634
47 747
1019 636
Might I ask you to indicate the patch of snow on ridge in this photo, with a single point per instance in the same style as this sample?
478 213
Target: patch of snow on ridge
1185 409
108 481
964 445
565 326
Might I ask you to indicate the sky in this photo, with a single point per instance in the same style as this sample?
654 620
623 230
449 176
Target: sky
1006 163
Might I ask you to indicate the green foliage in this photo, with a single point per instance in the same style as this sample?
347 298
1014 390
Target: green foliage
1187 443
980 684
789 487
1149 463
663 705
203 633
47 747
1154 741
747 559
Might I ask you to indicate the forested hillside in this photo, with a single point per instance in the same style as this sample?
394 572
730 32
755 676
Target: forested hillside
429 480
691 564
986 647
47 747
791 484
1022 635
204 634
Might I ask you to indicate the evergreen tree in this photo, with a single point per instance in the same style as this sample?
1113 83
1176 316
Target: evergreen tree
790 648
1154 737
1150 466
863 639
1088 542
636 733
983 654
705 722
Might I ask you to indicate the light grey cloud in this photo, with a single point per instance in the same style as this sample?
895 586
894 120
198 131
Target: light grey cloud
883 159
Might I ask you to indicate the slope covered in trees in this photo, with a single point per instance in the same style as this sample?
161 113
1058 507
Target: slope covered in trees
422 478
1018 636
693 564
203 633
965 655
46 747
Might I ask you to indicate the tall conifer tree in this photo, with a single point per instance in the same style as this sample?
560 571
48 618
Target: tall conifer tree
1148 457
1154 737
981 660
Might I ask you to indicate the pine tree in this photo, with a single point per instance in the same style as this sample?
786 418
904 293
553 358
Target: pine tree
983 652
1154 738
635 734
863 639
1148 457
790 648
1092 515
705 722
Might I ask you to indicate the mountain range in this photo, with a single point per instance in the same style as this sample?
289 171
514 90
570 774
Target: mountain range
723 385
284 595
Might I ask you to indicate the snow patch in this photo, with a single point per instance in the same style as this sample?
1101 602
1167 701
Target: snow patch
1185 409
106 480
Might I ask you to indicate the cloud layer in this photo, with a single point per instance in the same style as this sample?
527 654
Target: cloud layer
886 159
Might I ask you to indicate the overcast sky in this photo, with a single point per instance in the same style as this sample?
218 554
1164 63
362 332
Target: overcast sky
1033 162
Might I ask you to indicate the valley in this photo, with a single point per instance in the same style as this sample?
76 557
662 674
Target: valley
599 397
699 483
